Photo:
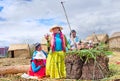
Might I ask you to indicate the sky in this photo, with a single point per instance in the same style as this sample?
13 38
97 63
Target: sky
27 21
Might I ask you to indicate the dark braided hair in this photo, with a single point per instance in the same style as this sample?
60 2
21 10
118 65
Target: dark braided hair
72 32
37 45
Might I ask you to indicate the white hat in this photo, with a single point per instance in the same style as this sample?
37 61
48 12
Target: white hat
55 26
39 55
37 44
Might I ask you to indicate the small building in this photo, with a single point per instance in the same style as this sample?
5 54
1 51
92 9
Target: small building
19 50
3 51
114 41
98 38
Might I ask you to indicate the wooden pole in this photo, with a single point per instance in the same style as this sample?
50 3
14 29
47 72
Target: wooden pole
14 69
66 16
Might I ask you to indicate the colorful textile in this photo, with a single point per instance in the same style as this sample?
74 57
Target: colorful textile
53 40
58 43
36 69
41 52
55 66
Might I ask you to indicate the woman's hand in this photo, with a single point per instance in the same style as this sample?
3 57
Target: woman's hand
47 36
42 65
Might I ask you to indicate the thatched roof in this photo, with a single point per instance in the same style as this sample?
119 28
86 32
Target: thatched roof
20 49
98 37
114 41
115 35
14 47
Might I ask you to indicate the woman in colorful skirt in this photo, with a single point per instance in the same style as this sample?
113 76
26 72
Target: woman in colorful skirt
38 62
55 64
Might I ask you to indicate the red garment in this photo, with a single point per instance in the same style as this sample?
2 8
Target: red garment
41 73
117 62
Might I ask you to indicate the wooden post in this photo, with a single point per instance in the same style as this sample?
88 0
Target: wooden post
66 16
14 69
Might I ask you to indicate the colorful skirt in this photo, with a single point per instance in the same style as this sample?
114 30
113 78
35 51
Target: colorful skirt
40 73
55 65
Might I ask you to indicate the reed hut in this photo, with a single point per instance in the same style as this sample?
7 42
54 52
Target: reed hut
114 41
98 38
19 50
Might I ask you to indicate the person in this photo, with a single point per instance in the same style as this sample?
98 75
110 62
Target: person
55 65
90 44
74 40
48 42
38 62
38 49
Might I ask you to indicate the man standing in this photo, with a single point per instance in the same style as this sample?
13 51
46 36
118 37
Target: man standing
74 40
